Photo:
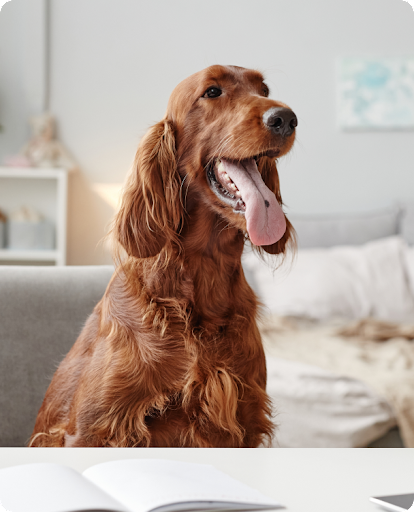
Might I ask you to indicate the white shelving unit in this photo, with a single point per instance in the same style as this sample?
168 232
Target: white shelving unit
46 191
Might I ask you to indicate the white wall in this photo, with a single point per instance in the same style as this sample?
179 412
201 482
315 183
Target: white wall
115 62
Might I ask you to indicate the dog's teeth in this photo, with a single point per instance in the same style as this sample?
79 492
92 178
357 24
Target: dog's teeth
238 194
220 166
233 186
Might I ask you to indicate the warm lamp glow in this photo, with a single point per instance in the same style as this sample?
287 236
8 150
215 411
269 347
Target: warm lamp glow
109 192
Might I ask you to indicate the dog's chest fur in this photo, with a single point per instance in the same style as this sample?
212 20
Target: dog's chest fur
196 354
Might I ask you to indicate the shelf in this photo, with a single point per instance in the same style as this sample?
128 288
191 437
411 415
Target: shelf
31 172
26 255
45 190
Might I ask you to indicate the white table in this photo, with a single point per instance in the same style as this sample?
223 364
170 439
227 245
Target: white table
304 480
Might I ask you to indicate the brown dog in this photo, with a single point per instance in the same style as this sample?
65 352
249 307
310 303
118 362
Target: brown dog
171 355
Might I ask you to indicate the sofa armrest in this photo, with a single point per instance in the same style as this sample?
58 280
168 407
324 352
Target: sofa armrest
42 311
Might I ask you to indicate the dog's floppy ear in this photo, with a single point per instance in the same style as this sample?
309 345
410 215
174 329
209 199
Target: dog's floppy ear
151 212
268 170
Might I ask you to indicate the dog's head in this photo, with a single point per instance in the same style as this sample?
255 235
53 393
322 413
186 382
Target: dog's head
216 147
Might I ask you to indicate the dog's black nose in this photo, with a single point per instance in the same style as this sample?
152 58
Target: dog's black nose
280 120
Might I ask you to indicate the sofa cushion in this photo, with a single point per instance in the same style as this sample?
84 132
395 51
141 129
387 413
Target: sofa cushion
407 222
42 311
357 229
316 408
343 281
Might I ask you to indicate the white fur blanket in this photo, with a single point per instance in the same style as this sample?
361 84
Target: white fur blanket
378 353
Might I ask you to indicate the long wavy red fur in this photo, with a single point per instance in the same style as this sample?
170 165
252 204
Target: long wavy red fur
171 355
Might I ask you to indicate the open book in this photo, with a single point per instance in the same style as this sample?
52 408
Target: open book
134 485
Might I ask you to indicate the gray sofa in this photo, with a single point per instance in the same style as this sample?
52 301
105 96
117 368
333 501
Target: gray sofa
42 311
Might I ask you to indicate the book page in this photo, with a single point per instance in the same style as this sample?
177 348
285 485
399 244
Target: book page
146 484
51 488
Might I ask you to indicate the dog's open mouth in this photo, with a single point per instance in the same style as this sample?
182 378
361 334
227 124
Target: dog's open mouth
240 185
224 187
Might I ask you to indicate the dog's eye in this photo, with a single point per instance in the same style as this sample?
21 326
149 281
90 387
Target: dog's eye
212 92
265 90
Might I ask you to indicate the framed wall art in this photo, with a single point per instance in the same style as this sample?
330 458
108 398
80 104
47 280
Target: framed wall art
375 93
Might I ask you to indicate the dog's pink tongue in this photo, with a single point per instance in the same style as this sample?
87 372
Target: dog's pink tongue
265 220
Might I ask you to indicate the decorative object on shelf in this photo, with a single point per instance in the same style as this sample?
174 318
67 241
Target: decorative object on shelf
376 93
3 220
29 230
43 150
17 161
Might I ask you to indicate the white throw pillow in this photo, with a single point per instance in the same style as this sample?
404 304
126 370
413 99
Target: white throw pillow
409 265
345 281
